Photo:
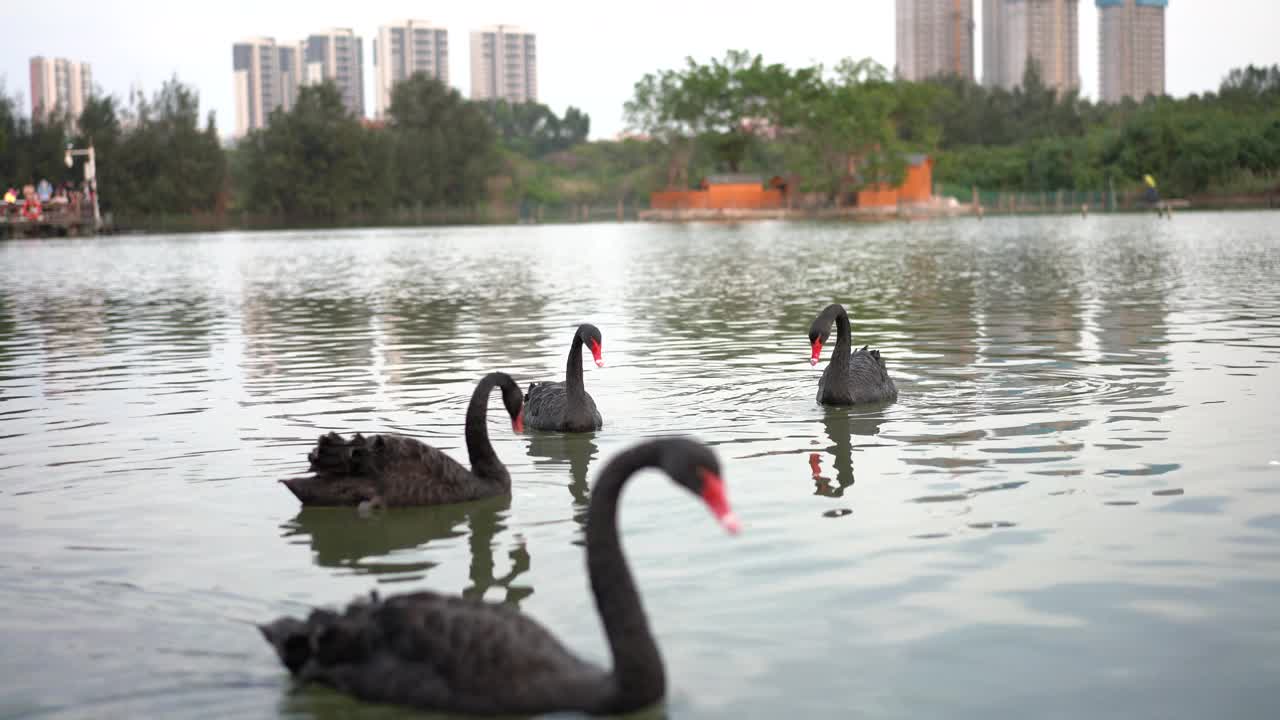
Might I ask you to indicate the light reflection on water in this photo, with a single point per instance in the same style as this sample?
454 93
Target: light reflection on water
1073 508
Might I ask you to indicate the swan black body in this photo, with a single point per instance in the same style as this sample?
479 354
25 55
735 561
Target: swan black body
396 470
567 406
852 377
451 654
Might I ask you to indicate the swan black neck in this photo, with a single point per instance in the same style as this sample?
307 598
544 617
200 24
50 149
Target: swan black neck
844 336
484 461
573 370
637 666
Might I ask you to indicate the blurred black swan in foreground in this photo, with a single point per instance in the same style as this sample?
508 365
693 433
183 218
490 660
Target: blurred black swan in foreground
446 653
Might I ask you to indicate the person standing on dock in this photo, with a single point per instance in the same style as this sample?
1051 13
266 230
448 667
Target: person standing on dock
31 208
1151 195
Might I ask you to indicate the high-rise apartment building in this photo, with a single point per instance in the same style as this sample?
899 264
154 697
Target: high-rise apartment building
405 48
336 55
993 37
1016 32
934 37
266 77
1130 48
59 85
504 64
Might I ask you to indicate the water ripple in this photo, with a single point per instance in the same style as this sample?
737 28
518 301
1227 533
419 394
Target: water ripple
1076 489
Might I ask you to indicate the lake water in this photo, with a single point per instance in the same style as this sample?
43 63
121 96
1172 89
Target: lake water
1072 511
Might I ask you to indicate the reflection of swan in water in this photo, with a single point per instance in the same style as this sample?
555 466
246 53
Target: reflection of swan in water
577 450
341 541
842 423
335 706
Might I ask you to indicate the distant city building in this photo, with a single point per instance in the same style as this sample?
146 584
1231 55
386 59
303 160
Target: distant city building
504 64
1131 48
405 48
59 85
1044 31
993 37
266 77
336 55
934 37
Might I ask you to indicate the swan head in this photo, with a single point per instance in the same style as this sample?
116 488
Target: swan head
695 466
820 331
591 337
816 339
513 400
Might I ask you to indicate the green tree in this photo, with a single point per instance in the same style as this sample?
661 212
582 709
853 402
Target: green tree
166 163
99 124
30 151
846 130
720 104
533 130
315 161
444 146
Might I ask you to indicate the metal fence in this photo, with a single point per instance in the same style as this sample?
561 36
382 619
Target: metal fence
1042 201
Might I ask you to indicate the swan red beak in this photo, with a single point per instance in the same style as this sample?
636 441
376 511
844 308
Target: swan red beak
595 352
817 351
713 495
517 424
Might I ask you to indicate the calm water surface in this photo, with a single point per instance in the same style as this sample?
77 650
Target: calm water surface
1073 510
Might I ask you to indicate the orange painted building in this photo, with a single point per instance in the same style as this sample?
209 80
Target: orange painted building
917 186
751 192
721 192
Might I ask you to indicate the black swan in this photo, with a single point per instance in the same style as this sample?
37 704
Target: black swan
394 470
452 654
567 405
852 377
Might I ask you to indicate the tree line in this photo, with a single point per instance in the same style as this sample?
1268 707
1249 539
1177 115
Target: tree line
845 127
314 161
153 155
835 128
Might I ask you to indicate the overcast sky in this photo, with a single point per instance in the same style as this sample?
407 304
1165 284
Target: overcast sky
589 53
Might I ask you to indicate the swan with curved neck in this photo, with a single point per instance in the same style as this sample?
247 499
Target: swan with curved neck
567 406
450 654
852 377
396 470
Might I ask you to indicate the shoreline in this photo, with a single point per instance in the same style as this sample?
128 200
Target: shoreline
905 213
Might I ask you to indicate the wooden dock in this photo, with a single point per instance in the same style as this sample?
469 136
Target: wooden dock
55 221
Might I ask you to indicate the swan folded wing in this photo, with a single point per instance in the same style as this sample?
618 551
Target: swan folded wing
546 407
418 474
480 657
361 455
400 470
543 398
865 379
868 378
868 367
348 652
